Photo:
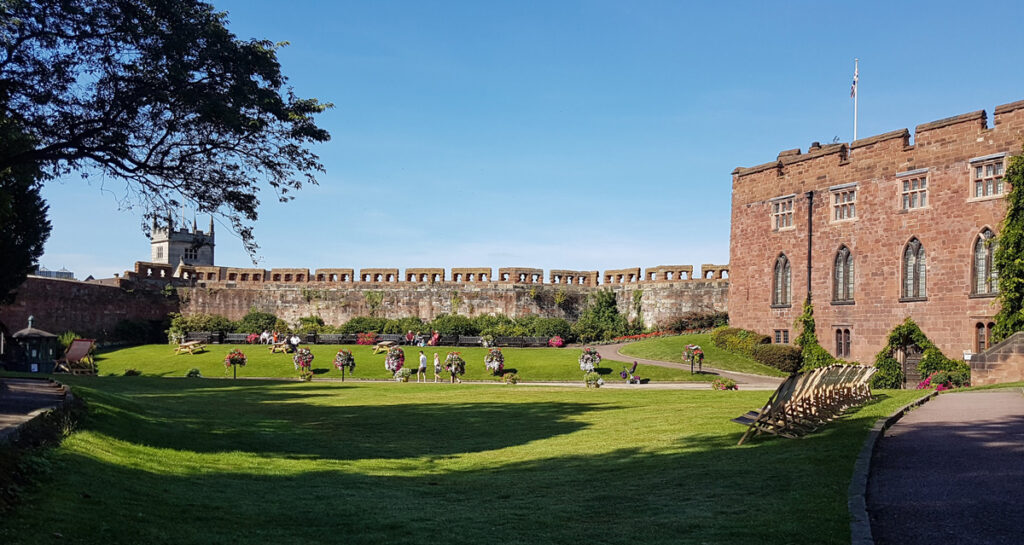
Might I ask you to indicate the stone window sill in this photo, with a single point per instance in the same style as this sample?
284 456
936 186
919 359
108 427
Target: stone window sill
787 305
844 302
912 299
986 198
983 295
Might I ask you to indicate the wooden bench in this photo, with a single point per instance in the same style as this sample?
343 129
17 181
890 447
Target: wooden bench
191 347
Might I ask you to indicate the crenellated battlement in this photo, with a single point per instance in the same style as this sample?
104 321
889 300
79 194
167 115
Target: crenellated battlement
239 277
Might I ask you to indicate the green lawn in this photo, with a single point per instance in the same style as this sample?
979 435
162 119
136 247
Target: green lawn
671 349
532 364
211 461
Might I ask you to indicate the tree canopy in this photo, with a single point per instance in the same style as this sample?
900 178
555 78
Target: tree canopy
23 224
158 93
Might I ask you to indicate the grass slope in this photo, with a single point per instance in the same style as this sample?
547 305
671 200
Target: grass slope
532 364
203 461
671 349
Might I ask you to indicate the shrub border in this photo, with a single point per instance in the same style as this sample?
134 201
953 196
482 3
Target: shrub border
860 522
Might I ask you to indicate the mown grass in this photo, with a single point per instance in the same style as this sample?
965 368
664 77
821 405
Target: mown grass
531 364
204 461
671 349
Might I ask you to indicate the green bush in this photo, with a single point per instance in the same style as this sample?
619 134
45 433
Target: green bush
957 372
194 373
181 324
256 322
549 327
491 322
601 320
739 340
695 320
889 374
454 324
132 372
815 356
405 325
363 324
65 339
311 324
784 357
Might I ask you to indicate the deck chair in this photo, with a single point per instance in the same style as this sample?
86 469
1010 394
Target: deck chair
774 417
77 358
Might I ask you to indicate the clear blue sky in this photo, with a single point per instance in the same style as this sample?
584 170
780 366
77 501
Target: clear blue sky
580 135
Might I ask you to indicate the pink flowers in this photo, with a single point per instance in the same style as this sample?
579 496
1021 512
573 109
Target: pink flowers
556 342
235 357
366 338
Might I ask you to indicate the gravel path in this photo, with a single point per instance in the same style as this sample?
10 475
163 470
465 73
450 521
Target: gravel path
952 471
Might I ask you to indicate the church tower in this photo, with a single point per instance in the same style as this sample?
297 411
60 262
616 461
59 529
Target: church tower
170 245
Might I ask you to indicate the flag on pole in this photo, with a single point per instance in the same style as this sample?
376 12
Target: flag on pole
853 88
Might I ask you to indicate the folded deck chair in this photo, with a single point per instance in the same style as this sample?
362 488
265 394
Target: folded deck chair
78 358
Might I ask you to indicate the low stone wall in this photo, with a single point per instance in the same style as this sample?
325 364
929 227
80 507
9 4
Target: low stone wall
1004 362
86 308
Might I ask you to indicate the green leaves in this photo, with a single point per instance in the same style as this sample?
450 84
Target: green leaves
1009 256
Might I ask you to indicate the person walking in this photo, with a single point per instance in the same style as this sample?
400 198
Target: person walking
437 368
421 374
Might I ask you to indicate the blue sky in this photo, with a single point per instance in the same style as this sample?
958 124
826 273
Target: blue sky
582 135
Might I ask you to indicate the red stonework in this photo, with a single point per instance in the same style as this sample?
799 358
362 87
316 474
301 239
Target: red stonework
947 228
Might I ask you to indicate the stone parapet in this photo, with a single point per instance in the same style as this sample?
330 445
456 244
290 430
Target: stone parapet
622 276
378 275
424 275
289 276
576 278
346 276
521 275
668 273
472 274
714 272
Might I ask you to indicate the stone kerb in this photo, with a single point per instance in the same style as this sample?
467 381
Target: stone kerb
521 275
1004 362
424 275
573 278
469 275
668 273
622 276
289 276
714 272
346 276
386 276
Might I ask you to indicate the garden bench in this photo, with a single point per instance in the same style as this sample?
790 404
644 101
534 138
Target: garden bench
467 340
191 347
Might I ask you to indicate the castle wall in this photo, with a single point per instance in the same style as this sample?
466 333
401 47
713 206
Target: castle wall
339 303
89 309
947 227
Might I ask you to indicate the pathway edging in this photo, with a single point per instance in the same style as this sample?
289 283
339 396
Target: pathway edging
860 523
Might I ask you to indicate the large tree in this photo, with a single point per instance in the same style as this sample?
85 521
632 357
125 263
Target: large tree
157 93
23 224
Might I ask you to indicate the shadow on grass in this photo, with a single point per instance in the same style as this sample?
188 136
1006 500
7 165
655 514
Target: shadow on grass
305 420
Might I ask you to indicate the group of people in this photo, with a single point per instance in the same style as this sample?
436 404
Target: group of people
273 337
421 373
421 340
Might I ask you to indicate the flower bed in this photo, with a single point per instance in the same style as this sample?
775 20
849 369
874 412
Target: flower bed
724 384
556 342
366 338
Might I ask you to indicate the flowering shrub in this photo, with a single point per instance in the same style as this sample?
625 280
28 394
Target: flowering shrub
303 358
495 361
511 378
593 379
251 338
344 359
402 375
395 359
454 363
724 384
235 357
942 380
589 359
366 338
642 336
556 342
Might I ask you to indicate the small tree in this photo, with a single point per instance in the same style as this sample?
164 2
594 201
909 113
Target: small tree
1008 256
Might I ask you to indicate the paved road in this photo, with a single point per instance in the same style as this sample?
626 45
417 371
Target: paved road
19 398
952 471
744 380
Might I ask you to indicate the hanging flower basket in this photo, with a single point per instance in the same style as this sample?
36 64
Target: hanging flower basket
454 363
345 360
395 359
589 359
235 357
495 361
303 358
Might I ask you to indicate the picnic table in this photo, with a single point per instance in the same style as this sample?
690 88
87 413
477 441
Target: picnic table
191 347
384 346
281 347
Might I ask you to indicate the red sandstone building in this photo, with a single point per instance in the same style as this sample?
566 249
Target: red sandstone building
880 230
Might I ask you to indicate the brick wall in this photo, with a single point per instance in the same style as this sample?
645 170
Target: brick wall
88 309
947 228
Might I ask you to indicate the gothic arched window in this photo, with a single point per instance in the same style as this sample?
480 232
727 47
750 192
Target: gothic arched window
915 267
984 277
781 285
842 279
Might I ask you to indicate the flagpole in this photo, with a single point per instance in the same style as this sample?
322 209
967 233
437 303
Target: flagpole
856 95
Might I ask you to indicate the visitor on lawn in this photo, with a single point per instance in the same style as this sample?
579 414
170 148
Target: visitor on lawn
434 338
409 338
294 342
421 373
265 337
437 368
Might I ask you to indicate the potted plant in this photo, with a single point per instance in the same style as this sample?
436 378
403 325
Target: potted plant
234 359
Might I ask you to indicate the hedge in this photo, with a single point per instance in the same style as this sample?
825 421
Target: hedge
784 357
739 340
